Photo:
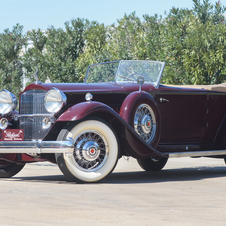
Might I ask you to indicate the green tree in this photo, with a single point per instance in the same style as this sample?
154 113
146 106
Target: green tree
205 55
206 12
55 52
96 48
127 38
153 38
11 67
173 44
193 42
34 55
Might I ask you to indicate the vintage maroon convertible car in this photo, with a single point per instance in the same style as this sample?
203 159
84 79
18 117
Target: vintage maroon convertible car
121 109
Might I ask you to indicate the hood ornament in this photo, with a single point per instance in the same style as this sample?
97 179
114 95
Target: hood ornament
36 76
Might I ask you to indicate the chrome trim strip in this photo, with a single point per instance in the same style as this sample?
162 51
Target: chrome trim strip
197 153
33 115
37 146
117 70
160 75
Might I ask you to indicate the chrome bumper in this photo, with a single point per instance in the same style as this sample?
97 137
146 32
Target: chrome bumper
37 147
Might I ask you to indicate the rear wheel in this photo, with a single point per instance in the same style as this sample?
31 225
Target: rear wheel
95 152
8 169
151 164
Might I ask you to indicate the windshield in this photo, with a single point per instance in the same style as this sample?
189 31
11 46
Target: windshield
103 72
125 71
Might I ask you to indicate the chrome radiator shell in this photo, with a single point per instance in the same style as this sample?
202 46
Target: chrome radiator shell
32 102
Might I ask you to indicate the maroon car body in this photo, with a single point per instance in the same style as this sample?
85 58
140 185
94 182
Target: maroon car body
85 137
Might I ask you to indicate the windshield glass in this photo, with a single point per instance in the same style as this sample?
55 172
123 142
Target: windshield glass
125 71
103 72
131 70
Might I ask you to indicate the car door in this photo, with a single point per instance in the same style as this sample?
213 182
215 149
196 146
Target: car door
183 113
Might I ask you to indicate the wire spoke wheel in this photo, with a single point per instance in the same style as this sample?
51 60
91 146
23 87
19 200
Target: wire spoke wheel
95 152
91 150
145 122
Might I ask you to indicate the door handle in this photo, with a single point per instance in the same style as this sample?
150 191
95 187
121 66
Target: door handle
163 100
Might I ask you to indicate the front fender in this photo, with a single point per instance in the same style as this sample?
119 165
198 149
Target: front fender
129 141
83 110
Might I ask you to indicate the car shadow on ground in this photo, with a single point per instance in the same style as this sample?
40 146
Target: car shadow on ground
184 174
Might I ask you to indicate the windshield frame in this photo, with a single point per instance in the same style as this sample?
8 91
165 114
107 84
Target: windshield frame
156 84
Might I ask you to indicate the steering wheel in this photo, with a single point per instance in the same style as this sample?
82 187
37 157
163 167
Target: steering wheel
145 77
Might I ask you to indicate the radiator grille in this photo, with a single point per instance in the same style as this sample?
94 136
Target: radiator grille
32 102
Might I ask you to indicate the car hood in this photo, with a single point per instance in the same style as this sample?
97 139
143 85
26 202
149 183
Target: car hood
78 87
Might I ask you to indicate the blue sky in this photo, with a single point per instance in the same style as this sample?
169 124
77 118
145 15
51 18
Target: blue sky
33 14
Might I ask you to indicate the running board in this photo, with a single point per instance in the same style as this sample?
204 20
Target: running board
197 154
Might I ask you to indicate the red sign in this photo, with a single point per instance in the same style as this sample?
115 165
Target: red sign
13 135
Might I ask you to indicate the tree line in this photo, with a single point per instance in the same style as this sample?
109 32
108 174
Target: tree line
192 42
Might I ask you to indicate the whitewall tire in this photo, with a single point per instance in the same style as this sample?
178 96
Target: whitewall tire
95 153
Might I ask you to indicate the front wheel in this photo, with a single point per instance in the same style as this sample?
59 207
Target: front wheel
95 152
8 169
151 164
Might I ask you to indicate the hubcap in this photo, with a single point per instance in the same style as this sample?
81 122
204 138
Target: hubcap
91 151
145 122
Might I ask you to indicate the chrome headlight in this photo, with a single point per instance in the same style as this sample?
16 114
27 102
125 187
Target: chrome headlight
8 102
54 100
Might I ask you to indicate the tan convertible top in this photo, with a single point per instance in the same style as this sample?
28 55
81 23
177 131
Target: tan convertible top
219 87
